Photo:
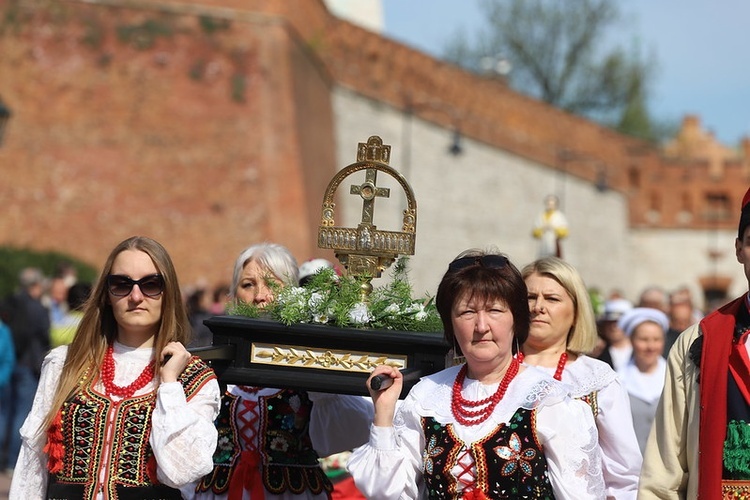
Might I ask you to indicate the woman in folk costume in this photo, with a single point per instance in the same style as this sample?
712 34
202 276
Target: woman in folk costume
562 331
124 411
270 439
699 445
489 428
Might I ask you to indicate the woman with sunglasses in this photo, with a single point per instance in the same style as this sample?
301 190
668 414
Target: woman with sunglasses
270 439
490 427
124 411
562 332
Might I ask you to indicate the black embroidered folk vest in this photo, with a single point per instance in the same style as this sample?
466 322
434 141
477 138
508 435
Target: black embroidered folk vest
509 461
736 460
288 460
131 471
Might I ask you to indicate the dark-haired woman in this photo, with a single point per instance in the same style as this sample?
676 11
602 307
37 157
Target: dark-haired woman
489 428
124 411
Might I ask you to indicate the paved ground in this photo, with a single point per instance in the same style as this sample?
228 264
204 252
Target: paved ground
4 485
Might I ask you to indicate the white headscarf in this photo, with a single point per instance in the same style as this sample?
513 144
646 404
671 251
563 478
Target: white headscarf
629 321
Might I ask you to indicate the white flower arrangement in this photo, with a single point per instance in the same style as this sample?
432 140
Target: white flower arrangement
329 299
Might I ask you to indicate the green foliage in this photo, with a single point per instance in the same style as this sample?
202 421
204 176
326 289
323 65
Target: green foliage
197 70
12 18
93 33
13 260
143 36
563 54
211 25
238 87
336 300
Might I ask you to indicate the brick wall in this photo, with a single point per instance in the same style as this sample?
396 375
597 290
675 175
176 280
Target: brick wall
145 121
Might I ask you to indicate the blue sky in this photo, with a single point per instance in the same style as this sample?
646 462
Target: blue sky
703 50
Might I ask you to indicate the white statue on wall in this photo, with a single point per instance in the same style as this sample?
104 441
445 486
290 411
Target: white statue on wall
551 226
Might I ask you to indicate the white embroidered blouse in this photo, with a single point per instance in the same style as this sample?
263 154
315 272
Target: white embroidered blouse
180 428
621 455
390 465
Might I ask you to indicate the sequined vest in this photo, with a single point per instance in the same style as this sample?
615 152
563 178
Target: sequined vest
131 470
288 460
509 461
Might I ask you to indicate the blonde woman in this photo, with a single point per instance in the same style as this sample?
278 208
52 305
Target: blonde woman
562 332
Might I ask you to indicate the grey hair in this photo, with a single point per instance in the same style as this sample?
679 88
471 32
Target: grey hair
29 277
273 257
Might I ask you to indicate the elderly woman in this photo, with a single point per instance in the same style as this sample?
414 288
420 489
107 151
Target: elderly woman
562 331
489 428
270 439
643 376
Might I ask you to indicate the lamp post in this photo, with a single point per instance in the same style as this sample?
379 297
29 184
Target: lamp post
4 117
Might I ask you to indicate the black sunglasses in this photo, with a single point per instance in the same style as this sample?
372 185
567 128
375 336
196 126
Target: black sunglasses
121 286
494 261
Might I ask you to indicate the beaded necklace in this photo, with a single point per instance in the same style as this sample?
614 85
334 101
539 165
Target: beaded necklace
108 377
463 408
560 363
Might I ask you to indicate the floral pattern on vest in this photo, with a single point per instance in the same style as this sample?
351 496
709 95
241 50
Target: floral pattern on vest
508 462
83 421
288 461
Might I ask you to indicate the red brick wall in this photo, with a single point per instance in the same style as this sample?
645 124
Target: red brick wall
206 142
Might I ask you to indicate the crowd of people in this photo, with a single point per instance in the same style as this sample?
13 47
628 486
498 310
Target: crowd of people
547 396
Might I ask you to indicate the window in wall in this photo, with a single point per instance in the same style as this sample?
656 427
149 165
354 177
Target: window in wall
718 207
685 214
654 208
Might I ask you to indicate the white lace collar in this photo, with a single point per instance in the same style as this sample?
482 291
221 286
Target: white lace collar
585 375
531 388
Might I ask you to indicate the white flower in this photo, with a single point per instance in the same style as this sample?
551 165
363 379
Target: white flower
418 308
392 308
360 314
320 318
315 301
292 295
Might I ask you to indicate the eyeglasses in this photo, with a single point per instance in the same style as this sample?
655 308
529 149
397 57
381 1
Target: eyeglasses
121 286
493 261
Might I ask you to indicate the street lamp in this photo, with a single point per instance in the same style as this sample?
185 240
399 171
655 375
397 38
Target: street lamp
4 117
456 149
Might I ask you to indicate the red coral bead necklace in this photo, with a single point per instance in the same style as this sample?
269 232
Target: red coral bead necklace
463 408
108 377
560 363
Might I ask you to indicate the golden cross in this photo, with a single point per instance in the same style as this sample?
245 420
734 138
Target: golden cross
368 191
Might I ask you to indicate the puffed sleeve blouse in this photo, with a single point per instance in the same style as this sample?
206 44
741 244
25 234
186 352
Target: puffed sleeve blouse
180 428
621 455
390 465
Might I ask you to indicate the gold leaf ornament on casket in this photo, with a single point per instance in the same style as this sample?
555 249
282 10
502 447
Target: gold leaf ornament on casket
330 359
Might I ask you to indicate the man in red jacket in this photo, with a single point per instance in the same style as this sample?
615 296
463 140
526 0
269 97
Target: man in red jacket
699 446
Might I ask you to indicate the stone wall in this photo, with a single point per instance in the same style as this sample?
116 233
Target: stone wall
486 197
